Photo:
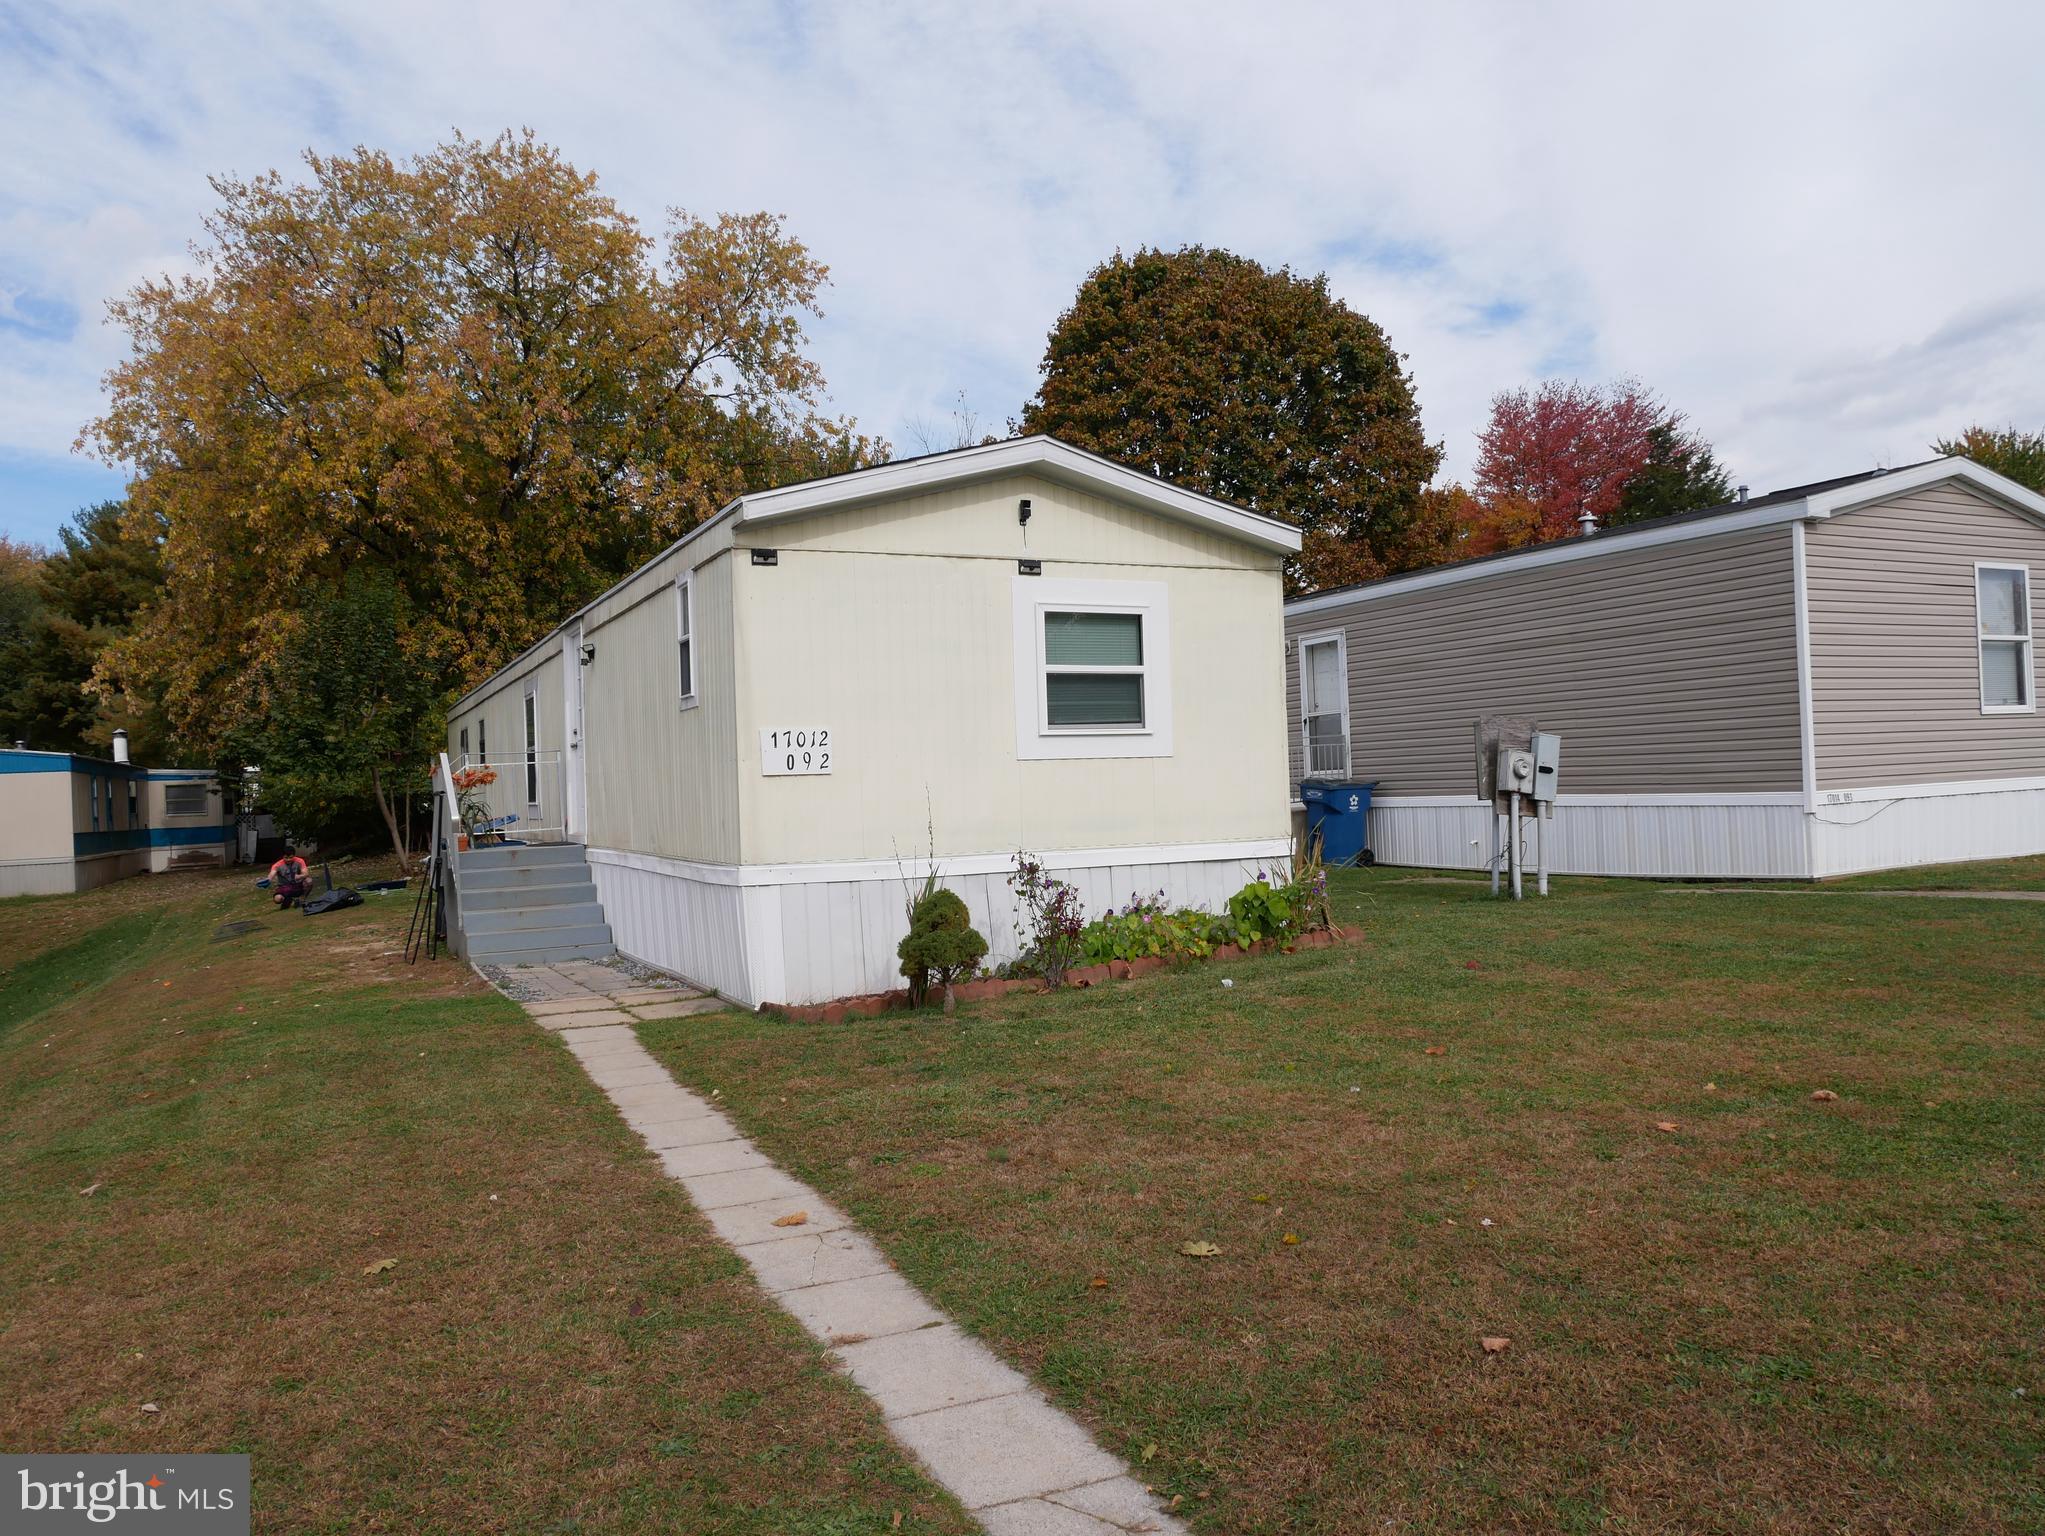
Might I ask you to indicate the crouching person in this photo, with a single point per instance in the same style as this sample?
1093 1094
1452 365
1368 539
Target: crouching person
290 879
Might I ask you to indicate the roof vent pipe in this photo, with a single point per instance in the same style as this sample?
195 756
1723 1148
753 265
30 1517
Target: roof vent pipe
1587 522
1742 492
120 746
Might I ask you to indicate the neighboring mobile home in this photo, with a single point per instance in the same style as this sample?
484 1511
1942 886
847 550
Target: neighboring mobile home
1835 678
766 735
73 822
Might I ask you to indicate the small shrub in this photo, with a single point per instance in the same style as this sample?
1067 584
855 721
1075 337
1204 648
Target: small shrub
941 946
1048 922
1261 911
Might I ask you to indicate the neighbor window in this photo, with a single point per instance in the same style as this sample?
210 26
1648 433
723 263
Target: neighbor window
1093 671
184 799
1324 704
2002 605
685 642
532 749
134 820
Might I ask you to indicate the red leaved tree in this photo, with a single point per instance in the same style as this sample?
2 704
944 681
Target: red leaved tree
1552 453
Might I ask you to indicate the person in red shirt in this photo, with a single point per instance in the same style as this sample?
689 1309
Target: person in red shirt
290 879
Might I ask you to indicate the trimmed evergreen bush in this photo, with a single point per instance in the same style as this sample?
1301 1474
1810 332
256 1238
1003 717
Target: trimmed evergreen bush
941 946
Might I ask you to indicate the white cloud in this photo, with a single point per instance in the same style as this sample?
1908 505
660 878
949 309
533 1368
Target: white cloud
1815 228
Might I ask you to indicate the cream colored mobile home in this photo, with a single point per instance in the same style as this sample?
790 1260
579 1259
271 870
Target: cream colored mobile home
1826 680
763 736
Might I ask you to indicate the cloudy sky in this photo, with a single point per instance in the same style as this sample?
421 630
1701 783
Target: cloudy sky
1816 228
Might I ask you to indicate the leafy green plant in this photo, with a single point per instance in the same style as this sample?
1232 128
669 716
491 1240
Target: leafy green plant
941 946
1261 911
1147 929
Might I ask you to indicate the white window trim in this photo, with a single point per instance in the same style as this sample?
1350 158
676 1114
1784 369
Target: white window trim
529 739
2027 640
1035 738
1306 746
685 629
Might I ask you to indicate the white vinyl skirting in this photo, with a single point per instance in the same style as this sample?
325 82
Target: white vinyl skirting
811 933
1728 837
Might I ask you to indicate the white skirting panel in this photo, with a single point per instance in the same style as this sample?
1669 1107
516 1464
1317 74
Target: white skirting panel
810 933
666 914
1917 829
1758 837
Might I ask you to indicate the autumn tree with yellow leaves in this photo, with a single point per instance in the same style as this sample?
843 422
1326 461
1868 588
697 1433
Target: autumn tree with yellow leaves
471 372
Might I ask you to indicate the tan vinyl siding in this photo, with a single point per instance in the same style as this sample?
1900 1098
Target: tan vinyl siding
1667 669
1895 675
662 779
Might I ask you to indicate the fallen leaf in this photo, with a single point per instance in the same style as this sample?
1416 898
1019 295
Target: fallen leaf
1473 965
1711 1087
1290 1238
1201 1250
896 1523
1667 1126
637 1309
792 1219
151 1408
1495 1343
1260 1199
1824 1096
92 1188
1098 1283
1150 1450
381 1266
1435 1050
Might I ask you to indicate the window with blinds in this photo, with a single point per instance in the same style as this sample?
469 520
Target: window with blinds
1093 671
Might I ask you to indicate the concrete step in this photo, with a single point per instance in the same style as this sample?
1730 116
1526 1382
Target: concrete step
570 893
513 876
546 954
521 856
578 914
484 945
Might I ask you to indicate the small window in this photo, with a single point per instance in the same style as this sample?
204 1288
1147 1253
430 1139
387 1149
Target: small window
92 794
2002 606
685 642
465 743
1093 671
134 811
184 799
532 749
1324 705
482 740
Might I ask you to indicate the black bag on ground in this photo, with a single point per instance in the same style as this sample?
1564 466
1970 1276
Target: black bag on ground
330 901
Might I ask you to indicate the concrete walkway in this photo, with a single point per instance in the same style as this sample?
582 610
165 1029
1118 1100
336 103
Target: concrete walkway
1022 1467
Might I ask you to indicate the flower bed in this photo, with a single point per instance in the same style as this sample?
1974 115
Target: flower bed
872 1005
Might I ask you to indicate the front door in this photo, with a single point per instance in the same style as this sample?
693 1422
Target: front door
574 784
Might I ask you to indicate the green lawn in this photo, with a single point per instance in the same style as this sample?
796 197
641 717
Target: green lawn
1779 1314
207 1138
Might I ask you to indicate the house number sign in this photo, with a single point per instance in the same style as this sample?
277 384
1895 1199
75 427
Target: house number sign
803 749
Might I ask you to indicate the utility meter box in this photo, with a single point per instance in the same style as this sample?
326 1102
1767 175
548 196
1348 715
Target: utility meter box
1515 770
1547 764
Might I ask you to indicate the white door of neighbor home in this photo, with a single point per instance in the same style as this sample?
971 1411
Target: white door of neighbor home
575 785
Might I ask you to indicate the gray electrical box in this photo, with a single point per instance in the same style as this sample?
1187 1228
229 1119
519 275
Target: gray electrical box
1547 756
1515 773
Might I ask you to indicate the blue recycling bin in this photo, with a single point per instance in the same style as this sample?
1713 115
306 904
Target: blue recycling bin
1338 815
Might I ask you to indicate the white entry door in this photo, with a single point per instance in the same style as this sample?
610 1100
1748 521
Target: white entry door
574 784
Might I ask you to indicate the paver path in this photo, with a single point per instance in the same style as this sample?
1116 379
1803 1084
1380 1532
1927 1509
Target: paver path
1022 1467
